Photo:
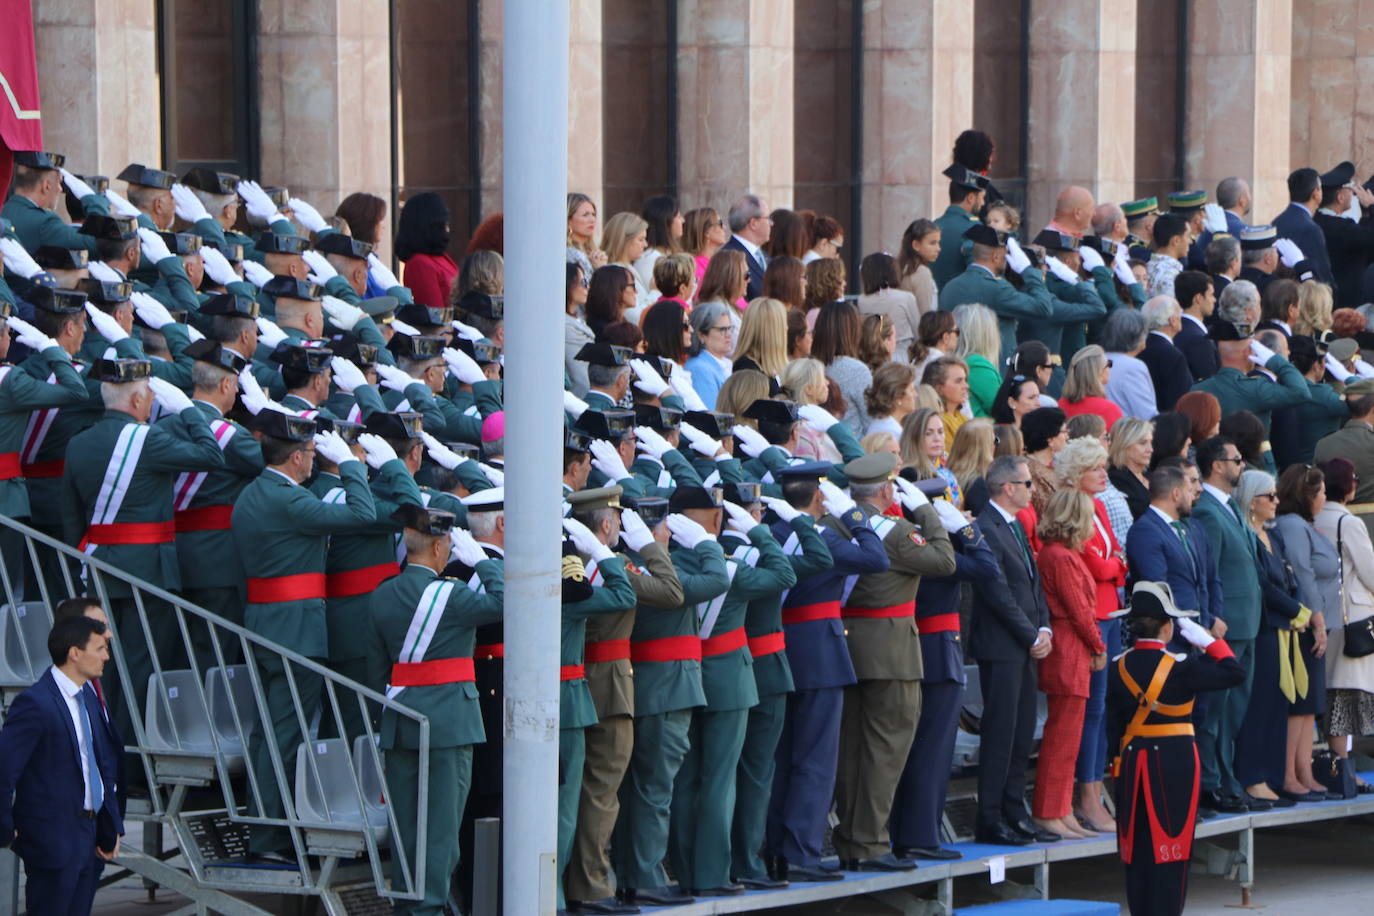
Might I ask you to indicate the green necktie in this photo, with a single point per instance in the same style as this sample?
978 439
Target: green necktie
1025 545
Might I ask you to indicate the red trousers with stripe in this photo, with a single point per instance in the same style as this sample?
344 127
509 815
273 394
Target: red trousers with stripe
1054 772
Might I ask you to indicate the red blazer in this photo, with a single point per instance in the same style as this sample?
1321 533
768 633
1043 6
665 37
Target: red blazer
430 278
1069 592
1102 555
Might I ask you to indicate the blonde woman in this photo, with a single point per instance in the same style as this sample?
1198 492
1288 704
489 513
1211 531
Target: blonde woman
948 375
980 345
882 441
971 452
1130 453
1314 309
624 240
922 446
804 381
1085 386
582 249
890 398
739 391
762 341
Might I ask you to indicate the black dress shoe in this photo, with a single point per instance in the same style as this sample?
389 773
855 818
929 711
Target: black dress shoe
725 890
885 862
776 866
608 905
654 896
1257 804
807 874
1034 832
762 884
1000 835
1364 788
927 852
1227 804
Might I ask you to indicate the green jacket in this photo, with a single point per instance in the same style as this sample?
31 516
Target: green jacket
808 555
668 686
977 285
146 496
35 227
171 287
759 570
613 595
20 394
1234 551
454 716
953 257
1237 391
1065 331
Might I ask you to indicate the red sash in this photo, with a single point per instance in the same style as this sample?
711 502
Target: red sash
826 610
767 644
205 518
571 672
359 581
607 650
299 587
9 465
487 652
432 673
907 609
130 533
668 649
44 469
938 623
725 642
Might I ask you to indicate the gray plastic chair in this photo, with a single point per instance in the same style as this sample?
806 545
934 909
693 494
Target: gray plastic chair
23 643
174 717
333 801
220 683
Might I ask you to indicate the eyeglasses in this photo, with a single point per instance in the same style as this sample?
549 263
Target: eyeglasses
722 329
1109 364
1024 483
1271 496
1236 460
686 326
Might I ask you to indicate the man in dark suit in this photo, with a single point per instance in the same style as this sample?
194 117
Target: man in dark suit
750 227
1196 298
1223 261
1295 223
1349 244
58 807
1009 631
91 607
1168 366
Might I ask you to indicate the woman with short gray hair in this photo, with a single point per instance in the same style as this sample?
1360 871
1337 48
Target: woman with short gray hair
1129 386
714 338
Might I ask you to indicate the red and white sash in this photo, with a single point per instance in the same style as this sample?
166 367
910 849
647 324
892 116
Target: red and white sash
188 484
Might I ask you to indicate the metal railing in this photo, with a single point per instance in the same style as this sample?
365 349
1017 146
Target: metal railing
333 810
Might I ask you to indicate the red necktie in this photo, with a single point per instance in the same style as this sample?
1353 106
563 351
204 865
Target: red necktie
99 695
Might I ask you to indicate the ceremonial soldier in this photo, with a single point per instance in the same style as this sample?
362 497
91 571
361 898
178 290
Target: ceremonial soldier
297 311
982 282
608 374
341 262
661 467
1349 244
1140 220
217 196
38 181
424 660
1076 301
424 360
282 530
149 195
881 710
967 192
1150 695
1235 390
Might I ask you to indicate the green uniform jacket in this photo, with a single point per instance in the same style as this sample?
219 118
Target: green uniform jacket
760 571
668 686
177 371
977 285
210 559
656 587
149 491
1237 391
1065 331
21 393
282 529
1105 282
1233 550
36 227
889 648
952 260
454 716
1354 442
808 554
366 398
172 287
1322 417
443 418
613 596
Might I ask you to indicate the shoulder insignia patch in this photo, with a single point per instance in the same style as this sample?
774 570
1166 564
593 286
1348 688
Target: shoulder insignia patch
917 538
631 568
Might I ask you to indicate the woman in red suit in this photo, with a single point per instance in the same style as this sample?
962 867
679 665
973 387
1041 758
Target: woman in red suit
1078 651
422 236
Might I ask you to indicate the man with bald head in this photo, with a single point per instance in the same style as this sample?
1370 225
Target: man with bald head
1073 211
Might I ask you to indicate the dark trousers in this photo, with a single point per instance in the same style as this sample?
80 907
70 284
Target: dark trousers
450 775
1007 730
287 736
754 785
920 803
1262 741
804 783
1230 713
63 892
1092 749
640 840
1152 889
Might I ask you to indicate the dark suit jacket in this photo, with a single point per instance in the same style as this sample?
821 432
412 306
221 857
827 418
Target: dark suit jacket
41 790
1156 554
1008 609
756 268
1199 349
1350 245
1296 223
1169 369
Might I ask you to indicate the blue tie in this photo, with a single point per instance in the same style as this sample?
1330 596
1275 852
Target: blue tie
97 784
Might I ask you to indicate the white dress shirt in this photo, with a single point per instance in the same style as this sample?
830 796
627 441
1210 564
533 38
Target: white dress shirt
72 694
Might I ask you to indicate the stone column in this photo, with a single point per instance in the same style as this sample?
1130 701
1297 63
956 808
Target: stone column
1239 98
490 83
98 82
917 97
325 99
1332 83
735 124
1082 102
585 119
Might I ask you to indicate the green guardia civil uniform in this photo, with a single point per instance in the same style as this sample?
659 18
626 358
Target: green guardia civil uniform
282 530
808 555
1235 390
608 742
443 418
704 791
953 257
978 285
666 652
1065 330
36 226
177 370
172 288
422 636
881 711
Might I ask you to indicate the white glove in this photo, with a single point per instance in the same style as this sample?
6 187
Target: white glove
393 378
153 313
647 378
28 335
1092 258
256 201
377 449
497 478
105 325
817 418
194 334
950 517
307 215
651 443
682 384
172 398
464 549
1259 353
443 455
331 446
256 273
1194 632
321 271
76 185
1333 365
573 405
738 519
268 332
606 459
120 204
782 508
699 441
400 327
1121 266
217 266
1364 369
253 397
908 494
104 272
342 315
463 367
467 331
837 501
687 532
1214 218
346 375
1289 253
632 528
1060 269
750 440
188 205
585 541
18 260
1016 258
154 248
380 273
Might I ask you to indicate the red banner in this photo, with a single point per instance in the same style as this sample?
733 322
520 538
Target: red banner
21 127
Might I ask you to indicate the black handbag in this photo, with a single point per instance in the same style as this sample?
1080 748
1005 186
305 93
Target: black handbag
1359 634
1337 774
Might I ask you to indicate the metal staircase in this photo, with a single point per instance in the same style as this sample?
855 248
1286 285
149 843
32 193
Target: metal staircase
191 731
